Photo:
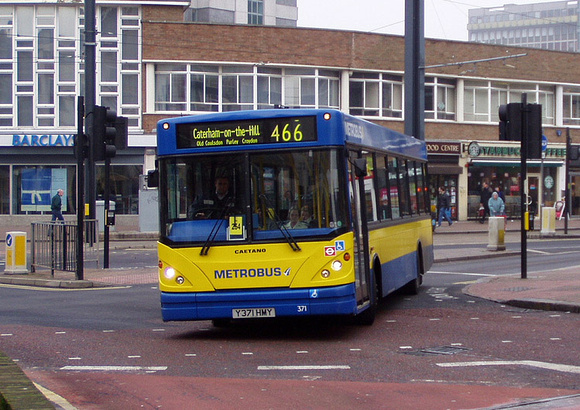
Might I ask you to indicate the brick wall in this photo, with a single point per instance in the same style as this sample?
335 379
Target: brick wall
186 41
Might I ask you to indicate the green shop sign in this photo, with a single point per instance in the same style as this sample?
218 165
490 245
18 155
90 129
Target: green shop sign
476 150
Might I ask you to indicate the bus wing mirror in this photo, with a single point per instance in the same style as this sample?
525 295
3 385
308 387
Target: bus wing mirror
153 178
360 167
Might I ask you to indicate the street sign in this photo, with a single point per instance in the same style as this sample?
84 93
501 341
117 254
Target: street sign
544 142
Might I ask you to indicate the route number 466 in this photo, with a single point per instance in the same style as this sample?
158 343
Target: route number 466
288 134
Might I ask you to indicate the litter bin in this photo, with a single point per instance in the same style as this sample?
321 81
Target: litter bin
106 219
548 221
16 253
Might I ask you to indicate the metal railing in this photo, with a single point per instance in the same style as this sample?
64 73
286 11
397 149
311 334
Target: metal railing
54 245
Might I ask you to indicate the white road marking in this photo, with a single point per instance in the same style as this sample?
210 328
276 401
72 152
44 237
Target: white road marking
114 368
532 363
310 367
7 334
55 398
465 273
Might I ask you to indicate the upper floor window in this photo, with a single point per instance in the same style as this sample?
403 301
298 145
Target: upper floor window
231 88
483 98
256 12
376 94
439 98
571 115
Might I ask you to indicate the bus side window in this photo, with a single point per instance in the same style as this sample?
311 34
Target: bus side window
404 196
381 178
394 188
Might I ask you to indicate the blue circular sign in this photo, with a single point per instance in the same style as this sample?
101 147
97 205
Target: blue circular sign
544 142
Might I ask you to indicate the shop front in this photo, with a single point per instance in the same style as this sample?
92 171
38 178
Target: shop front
34 167
499 165
444 171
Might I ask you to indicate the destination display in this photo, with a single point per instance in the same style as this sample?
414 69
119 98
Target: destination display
246 132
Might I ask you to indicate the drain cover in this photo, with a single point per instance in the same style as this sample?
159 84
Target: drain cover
441 350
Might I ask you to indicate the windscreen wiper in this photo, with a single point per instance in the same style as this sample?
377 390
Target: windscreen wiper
216 227
280 224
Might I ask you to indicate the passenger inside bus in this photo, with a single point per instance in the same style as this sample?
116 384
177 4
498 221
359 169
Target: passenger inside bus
307 217
294 222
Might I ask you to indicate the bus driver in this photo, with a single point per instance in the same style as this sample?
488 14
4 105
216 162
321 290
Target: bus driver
215 204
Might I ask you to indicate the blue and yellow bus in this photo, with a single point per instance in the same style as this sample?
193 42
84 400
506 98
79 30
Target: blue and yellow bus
288 212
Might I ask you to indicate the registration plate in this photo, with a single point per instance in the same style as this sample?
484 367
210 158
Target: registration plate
253 313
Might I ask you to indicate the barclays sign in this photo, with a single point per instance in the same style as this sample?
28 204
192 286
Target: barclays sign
46 140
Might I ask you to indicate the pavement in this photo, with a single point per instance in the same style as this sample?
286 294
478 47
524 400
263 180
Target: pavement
557 290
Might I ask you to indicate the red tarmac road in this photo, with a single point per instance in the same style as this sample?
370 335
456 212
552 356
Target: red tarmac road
133 391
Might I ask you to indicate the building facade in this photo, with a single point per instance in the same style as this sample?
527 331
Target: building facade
255 12
152 64
551 25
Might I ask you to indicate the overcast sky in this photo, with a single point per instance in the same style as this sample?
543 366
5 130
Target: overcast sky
444 19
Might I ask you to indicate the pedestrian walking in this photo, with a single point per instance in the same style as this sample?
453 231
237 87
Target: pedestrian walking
444 204
56 206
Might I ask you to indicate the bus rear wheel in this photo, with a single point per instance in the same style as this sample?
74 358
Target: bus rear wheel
412 288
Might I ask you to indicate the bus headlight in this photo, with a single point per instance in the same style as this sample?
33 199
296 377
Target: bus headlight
169 273
325 273
336 265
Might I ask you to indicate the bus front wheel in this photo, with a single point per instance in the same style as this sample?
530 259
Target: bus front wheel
367 317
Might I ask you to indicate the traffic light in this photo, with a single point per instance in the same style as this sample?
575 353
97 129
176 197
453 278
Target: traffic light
109 133
104 133
534 138
121 127
510 124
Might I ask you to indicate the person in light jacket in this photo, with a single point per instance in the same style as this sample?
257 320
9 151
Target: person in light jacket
496 205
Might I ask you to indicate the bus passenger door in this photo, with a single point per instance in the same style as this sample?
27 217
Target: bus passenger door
359 218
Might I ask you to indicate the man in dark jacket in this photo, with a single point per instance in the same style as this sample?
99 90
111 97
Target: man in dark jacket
484 199
443 203
56 206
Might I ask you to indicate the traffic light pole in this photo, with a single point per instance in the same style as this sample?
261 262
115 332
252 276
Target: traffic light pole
567 196
80 154
90 100
523 177
107 194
